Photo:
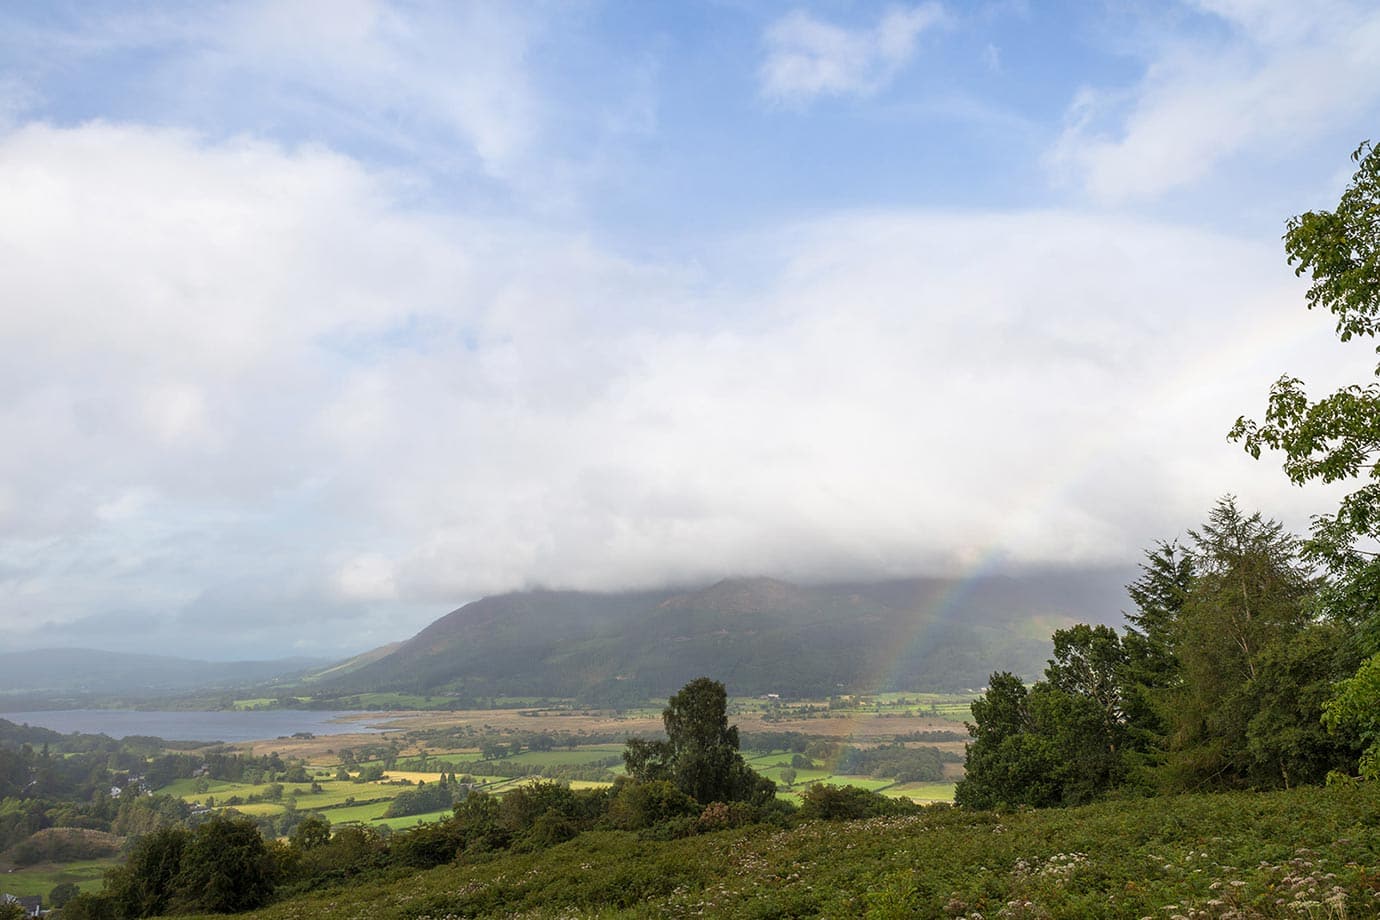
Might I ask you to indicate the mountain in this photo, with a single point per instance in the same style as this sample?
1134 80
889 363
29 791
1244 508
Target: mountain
86 671
758 635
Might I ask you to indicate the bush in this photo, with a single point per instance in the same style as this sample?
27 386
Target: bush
849 803
641 805
349 852
226 868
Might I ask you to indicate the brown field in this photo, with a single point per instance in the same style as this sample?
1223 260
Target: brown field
858 727
322 749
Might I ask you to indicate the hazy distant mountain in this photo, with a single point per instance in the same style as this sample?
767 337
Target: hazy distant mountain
758 635
86 671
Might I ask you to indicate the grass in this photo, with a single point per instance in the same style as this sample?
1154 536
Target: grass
925 793
43 877
219 788
398 701
1304 853
771 763
953 707
582 755
372 799
413 776
357 814
262 702
411 820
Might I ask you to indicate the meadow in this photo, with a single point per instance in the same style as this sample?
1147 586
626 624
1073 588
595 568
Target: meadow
431 734
41 878
351 802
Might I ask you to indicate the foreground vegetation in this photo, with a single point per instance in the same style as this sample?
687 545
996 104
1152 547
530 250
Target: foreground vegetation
1302 853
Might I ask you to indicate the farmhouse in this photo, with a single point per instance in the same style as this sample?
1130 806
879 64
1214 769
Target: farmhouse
33 905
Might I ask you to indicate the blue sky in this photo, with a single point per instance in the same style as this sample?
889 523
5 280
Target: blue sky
320 319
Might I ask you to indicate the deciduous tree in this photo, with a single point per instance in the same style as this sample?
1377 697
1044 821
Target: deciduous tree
1337 438
700 753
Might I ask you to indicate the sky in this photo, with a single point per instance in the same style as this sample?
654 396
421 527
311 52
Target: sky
321 319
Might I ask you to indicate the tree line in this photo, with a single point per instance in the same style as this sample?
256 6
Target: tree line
1252 657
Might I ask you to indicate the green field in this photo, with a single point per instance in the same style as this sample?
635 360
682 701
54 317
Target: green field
367 802
922 792
588 754
411 820
953 707
371 799
771 763
41 879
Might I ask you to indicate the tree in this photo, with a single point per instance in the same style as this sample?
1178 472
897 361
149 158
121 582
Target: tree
823 802
1249 594
1088 661
1008 762
1336 438
1352 710
639 805
226 868
62 893
146 885
1060 742
1285 739
311 832
1218 681
1151 667
700 753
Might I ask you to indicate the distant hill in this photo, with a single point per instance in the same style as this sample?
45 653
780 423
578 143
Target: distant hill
85 671
758 635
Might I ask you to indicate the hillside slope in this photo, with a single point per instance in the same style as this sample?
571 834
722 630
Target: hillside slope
75 670
1309 852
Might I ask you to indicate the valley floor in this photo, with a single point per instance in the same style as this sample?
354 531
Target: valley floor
1304 853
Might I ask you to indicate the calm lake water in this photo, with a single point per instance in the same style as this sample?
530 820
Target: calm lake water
193 726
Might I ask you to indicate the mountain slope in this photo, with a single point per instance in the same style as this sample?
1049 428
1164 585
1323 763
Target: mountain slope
69 670
758 635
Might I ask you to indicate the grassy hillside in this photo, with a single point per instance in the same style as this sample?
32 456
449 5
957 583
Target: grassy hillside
1304 853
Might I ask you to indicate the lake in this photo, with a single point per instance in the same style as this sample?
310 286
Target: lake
195 726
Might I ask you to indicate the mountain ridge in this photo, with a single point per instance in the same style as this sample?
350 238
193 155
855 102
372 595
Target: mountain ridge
82 670
759 635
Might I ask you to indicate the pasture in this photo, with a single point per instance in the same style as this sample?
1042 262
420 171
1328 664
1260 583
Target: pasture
41 878
422 743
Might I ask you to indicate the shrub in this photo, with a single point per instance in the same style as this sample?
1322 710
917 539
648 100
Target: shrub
849 803
642 805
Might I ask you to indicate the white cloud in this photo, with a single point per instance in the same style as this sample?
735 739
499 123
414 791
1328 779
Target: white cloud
437 73
15 98
808 57
232 366
367 577
991 58
1285 72
448 87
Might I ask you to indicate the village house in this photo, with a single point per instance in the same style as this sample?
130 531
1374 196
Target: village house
32 904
